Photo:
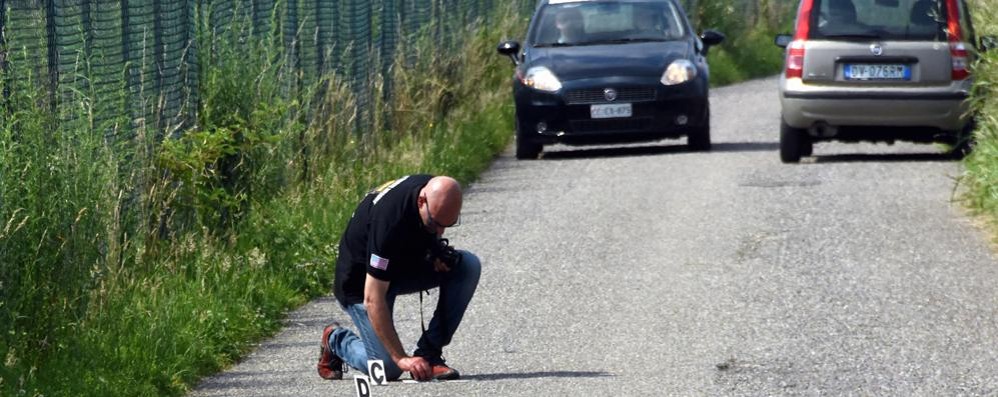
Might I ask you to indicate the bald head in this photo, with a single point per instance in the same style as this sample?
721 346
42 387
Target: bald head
440 203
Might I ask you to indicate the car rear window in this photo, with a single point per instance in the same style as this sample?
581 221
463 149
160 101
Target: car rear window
879 19
597 22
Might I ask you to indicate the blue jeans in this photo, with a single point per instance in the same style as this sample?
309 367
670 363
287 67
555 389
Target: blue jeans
456 289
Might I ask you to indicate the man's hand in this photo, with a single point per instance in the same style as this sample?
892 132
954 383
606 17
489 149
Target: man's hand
417 367
439 266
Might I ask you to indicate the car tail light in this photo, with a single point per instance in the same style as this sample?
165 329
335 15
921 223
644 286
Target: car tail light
795 51
795 59
957 48
958 51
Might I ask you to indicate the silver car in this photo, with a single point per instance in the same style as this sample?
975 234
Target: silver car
877 70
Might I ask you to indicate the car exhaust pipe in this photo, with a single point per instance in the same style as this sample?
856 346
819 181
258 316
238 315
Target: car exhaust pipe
821 129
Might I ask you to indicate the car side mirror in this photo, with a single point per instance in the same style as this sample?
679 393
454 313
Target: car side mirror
511 49
711 38
783 40
989 43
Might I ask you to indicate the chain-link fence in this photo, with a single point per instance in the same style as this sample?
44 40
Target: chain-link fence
137 60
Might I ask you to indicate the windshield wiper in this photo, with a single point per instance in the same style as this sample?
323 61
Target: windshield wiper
623 41
542 45
597 42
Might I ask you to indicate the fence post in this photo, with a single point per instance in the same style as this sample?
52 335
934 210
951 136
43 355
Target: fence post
321 32
53 53
389 38
3 37
86 84
191 68
292 44
356 36
159 59
338 42
88 31
125 54
4 70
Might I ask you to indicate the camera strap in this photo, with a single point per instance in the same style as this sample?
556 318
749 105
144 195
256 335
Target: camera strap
422 322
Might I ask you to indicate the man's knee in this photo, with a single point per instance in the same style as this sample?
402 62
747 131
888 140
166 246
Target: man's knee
471 266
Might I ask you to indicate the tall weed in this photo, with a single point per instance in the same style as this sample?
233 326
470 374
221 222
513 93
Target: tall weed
981 176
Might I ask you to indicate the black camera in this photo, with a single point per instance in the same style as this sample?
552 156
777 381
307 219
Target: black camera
442 250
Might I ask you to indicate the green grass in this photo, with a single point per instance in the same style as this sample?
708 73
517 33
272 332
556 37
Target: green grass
981 176
747 55
136 263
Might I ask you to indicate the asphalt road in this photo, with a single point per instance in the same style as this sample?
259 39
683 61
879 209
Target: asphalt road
654 271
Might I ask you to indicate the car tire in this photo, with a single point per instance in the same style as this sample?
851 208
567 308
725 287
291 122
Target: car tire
792 143
699 139
965 141
806 146
525 149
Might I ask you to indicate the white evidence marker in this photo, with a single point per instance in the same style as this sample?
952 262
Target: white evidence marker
376 370
363 385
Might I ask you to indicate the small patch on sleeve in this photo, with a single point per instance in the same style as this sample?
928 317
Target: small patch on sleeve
378 262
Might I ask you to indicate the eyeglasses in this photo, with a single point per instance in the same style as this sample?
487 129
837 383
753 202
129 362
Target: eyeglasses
432 224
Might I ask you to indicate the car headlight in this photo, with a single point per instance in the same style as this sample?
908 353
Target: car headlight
678 72
542 79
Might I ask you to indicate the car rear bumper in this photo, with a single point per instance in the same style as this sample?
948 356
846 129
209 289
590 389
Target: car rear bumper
672 112
946 109
946 115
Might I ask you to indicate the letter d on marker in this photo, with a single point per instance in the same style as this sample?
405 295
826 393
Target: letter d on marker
363 386
376 370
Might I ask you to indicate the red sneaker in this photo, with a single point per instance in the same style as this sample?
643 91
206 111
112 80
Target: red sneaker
330 366
443 372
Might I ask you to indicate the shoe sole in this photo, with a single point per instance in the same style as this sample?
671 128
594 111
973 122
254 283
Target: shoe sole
452 375
332 374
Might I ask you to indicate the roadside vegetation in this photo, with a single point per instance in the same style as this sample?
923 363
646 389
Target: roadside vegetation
134 264
750 27
981 177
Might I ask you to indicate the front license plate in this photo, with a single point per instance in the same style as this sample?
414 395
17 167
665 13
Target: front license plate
877 72
610 111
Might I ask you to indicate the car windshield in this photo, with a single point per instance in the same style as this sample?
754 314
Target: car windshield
591 23
880 19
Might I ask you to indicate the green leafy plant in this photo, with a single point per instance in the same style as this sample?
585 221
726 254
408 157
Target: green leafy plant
981 176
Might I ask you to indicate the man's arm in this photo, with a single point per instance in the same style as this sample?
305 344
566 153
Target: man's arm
375 292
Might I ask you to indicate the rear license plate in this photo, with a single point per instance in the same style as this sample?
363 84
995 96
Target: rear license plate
616 110
877 72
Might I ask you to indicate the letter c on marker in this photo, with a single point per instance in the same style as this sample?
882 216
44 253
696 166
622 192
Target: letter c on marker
376 370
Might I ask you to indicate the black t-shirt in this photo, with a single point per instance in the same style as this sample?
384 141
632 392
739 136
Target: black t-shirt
385 238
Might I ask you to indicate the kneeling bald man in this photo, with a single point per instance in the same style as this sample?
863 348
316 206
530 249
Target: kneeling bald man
392 247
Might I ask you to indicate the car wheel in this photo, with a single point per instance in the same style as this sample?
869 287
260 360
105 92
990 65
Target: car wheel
806 145
965 141
525 149
791 143
699 140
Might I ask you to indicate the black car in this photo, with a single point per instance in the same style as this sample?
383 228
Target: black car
600 71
